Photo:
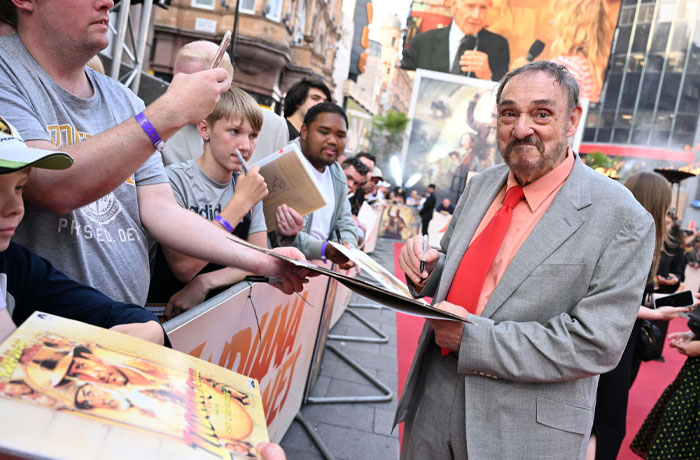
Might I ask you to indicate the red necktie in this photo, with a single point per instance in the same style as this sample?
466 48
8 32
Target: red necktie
476 262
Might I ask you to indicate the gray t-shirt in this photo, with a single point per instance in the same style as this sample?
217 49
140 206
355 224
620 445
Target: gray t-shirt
197 192
184 145
102 244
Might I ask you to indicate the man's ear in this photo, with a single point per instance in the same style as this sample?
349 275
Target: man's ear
573 121
203 130
23 6
303 132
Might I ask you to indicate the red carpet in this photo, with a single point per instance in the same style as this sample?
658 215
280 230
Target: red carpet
653 376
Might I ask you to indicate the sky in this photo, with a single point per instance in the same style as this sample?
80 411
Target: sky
384 8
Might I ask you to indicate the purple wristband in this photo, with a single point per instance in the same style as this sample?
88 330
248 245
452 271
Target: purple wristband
323 251
224 223
150 131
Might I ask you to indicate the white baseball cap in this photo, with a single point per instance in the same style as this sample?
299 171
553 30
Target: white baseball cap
15 155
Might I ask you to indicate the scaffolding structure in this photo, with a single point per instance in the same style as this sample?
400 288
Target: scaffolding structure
135 47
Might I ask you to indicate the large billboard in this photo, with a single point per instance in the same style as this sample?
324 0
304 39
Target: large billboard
484 38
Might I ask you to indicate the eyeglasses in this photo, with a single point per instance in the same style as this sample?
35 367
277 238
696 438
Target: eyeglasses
361 168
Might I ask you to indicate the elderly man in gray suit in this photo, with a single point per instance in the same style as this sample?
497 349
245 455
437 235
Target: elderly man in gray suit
550 302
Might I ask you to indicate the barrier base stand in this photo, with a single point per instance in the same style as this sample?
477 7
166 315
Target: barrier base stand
381 336
387 395
315 438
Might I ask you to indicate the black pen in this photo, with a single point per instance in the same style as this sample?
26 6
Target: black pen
337 235
266 279
425 249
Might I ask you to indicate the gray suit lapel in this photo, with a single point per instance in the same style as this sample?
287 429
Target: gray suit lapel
465 228
558 223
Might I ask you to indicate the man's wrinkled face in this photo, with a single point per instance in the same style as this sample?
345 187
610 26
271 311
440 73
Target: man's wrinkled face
470 15
534 122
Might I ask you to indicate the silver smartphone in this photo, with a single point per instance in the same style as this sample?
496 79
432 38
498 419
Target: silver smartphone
222 49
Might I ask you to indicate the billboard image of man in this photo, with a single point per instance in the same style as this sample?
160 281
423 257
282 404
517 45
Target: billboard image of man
464 48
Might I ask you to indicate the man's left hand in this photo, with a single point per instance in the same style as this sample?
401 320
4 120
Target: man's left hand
448 334
337 257
476 62
289 221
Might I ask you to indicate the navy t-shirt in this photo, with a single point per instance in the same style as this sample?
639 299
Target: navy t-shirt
33 284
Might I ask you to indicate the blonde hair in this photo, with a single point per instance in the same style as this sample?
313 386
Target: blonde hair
583 28
236 103
653 192
203 51
95 63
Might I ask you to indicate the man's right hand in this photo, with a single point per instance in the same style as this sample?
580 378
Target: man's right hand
189 98
476 62
410 257
250 188
292 276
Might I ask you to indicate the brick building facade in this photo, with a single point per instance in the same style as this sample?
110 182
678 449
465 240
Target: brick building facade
279 41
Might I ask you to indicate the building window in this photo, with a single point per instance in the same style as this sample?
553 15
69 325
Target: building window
274 9
203 4
247 6
301 23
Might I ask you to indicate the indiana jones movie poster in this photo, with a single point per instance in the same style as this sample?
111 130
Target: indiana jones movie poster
86 392
399 222
452 131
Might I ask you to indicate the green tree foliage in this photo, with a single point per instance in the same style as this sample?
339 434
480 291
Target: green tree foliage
387 135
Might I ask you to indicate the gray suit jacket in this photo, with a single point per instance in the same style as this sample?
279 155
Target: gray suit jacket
559 317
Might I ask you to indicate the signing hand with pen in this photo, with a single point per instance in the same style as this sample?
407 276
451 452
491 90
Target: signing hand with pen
291 276
410 259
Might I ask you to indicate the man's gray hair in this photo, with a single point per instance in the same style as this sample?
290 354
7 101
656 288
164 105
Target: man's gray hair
557 71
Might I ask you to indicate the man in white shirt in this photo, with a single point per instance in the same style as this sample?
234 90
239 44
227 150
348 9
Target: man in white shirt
322 140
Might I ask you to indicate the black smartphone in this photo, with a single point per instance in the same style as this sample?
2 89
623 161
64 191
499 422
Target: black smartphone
679 299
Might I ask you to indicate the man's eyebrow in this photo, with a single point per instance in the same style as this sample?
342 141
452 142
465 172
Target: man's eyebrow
506 102
547 102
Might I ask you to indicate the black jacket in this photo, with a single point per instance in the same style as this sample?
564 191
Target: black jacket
430 50
426 212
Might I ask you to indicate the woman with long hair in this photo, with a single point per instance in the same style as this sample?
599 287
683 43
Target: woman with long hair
609 424
582 32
